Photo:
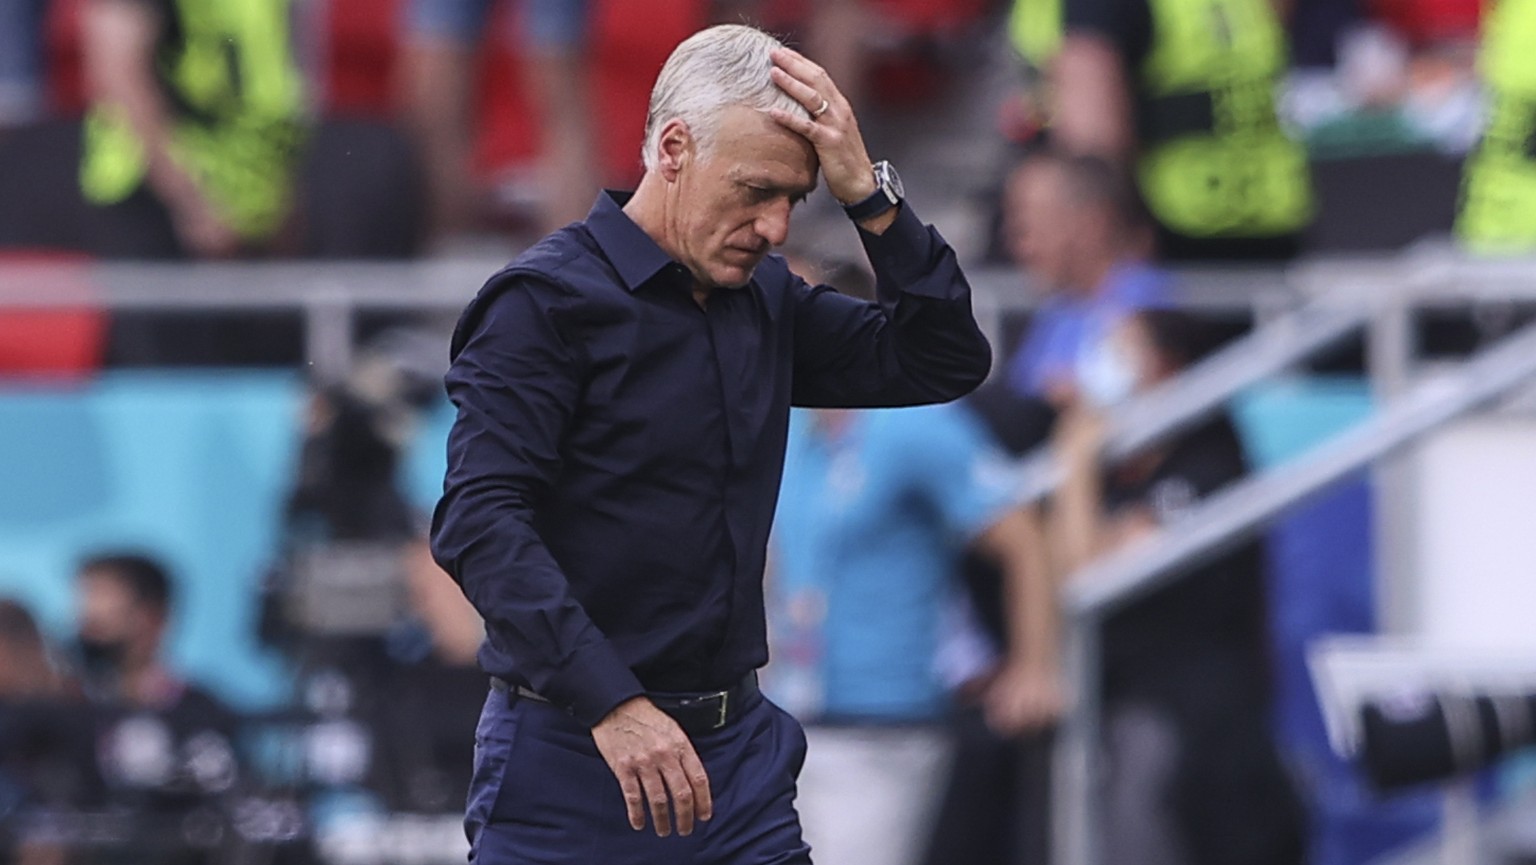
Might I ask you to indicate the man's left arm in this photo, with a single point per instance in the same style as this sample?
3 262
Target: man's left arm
921 343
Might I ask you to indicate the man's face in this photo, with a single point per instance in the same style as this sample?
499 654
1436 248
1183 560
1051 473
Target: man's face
731 203
108 613
1041 227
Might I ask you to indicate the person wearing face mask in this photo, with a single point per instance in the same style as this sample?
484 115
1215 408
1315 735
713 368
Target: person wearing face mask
165 745
1193 774
1076 226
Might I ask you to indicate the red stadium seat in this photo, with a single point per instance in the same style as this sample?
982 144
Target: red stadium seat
65 342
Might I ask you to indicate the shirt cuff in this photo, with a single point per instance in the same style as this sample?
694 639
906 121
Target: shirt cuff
906 254
593 684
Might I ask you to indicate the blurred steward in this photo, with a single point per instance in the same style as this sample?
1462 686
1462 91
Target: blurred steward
1182 93
1498 195
200 142
191 143
876 512
442 37
1193 775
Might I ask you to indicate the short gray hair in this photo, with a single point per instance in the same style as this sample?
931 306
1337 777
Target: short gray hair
711 70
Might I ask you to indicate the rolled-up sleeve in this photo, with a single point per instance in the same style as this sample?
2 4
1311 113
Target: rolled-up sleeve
515 381
920 344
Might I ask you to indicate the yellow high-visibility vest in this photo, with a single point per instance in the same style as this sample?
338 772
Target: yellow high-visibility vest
1214 161
1498 185
237 97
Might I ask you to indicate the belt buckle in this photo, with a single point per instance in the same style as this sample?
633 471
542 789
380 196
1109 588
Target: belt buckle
725 702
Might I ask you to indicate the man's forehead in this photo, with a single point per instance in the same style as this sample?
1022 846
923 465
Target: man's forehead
775 176
759 148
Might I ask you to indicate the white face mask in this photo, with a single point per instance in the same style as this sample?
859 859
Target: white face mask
1105 375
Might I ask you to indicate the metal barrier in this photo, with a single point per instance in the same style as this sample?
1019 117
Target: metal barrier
1384 304
1229 518
330 296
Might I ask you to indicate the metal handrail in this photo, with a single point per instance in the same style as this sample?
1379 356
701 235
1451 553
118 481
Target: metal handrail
1229 518
1176 405
329 295
435 283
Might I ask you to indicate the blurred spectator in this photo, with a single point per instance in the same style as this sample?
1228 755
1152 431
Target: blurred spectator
836 37
123 614
1193 775
1183 91
1076 226
40 764
1498 198
442 36
357 600
166 747
26 669
837 34
21 62
876 511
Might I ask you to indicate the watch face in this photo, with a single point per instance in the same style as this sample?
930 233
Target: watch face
890 181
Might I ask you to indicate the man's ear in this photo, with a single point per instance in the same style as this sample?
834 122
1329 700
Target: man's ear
677 148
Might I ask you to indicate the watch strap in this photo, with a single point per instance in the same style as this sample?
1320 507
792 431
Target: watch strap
871 207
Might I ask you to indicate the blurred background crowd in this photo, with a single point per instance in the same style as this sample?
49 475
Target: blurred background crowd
234 234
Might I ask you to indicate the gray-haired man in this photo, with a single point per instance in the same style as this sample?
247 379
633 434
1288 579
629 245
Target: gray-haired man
623 391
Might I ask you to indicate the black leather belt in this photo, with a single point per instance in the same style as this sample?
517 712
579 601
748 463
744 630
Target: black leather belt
695 713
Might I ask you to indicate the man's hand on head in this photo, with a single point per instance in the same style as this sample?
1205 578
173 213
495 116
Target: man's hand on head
656 765
832 129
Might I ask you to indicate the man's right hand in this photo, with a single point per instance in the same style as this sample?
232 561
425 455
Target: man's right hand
655 763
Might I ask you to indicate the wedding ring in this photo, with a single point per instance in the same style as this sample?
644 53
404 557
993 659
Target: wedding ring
820 110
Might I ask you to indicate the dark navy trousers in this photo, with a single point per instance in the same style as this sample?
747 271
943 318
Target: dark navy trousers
542 794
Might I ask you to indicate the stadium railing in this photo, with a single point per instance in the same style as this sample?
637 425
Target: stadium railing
1383 299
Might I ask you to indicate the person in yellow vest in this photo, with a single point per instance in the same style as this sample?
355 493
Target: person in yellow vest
192 140
1182 92
1498 194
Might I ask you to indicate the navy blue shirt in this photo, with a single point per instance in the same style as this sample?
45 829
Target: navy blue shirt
614 467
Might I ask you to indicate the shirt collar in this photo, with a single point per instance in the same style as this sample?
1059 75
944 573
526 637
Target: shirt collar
632 252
